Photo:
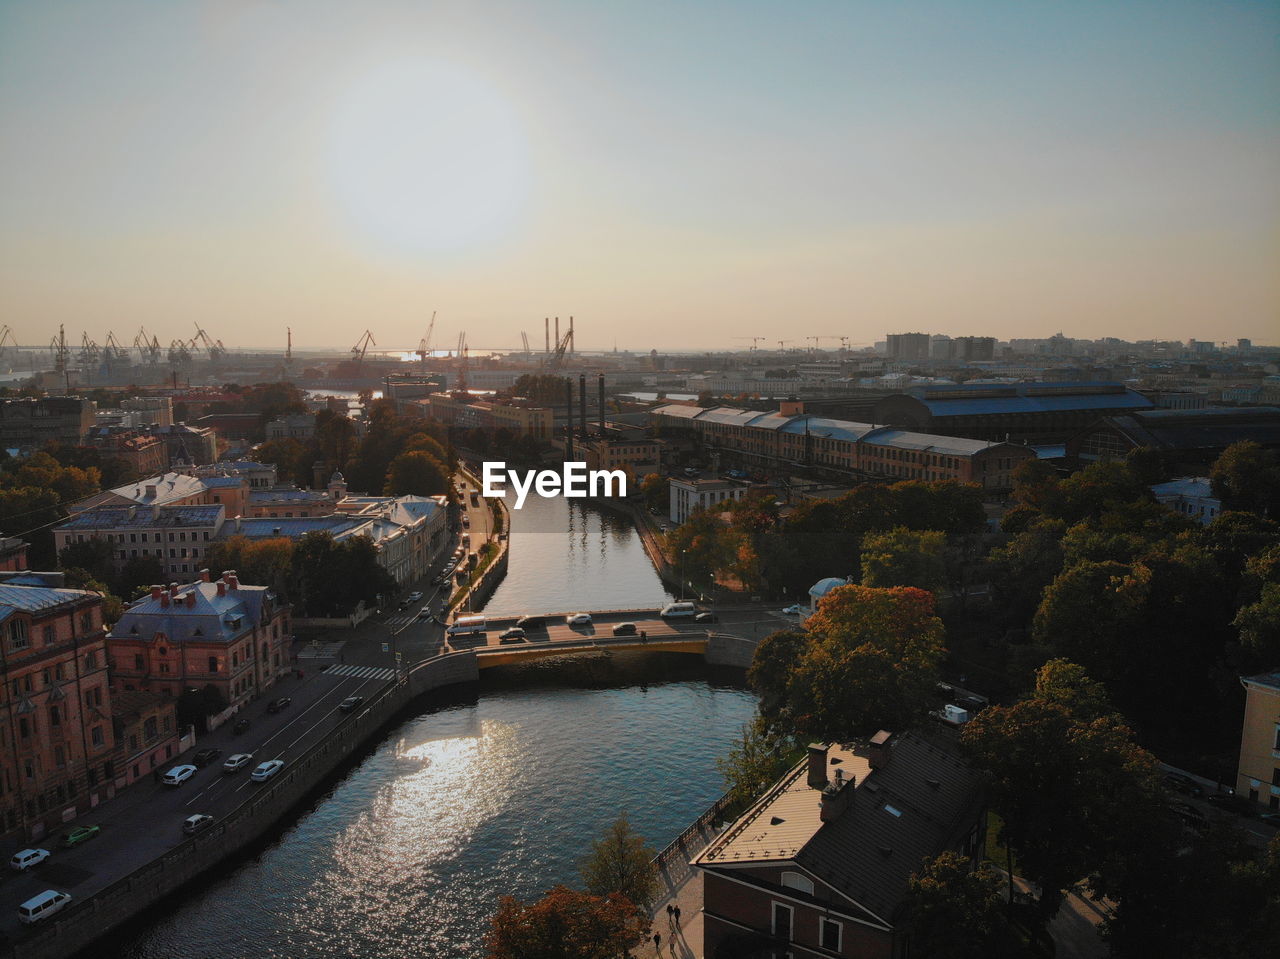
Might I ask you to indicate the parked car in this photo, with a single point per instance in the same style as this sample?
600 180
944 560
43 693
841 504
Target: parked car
28 859
1183 784
578 619
1229 803
205 756
794 610
80 834
240 726
178 775
42 906
1271 819
512 640
197 823
424 613
515 632
237 762
403 604
414 596
350 704
266 770
624 629
531 622
279 704
705 618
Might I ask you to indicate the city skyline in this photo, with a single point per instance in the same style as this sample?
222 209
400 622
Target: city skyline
673 177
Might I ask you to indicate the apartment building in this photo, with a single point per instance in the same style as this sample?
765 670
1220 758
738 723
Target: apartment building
1258 774
29 423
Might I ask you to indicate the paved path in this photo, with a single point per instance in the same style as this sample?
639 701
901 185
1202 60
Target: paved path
682 886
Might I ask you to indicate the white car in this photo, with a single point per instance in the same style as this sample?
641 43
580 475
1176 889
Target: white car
237 762
578 619
795 610
178 775
414 596
22 861
266 770
197 823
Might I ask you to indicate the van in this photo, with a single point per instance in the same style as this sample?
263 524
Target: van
42 906
678 610
465 625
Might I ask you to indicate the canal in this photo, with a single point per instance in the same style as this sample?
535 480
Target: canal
496 790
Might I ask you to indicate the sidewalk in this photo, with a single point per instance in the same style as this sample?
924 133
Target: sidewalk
682 886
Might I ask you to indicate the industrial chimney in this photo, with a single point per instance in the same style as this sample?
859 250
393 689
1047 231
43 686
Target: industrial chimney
600 383
568 402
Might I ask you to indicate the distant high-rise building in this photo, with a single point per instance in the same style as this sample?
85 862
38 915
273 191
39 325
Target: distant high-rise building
1243 344
908 347
973 348
940 348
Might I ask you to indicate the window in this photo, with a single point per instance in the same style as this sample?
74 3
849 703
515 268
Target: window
213 664
137 661
782 921
50 635
830 933
1275 777
1276 744
97 737
794 880
59 756
55 717
18 634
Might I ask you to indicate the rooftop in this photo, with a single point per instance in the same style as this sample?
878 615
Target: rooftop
34 599
206 616
132 517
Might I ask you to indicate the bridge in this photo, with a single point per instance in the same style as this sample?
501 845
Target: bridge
490 656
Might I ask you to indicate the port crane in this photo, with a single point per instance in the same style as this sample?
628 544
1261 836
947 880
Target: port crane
563 345
148 346
6 336
214 347
88 355
462 363
362 346
424 348
755 341
58 345
179 353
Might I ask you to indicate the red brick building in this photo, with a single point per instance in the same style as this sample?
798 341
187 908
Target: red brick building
818 866
57 745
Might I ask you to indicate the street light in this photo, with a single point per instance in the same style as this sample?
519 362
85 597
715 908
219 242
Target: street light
682 552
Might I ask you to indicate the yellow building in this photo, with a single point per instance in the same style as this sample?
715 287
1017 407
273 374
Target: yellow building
533 421
635 456
1259 773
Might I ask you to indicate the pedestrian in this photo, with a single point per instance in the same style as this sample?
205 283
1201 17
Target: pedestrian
676 910
644 638
657 940
669 910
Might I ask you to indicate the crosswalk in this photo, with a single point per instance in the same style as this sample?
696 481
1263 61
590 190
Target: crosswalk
385 673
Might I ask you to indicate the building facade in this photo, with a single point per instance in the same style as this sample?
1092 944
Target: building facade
687 495
1258 775
57 740
29 423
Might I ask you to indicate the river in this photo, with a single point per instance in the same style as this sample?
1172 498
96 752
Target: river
495 790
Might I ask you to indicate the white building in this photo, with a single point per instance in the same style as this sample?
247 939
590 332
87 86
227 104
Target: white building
688 495
1191 496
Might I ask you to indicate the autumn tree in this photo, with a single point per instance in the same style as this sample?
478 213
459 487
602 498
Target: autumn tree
952 911
620 862
1247 477
760 755
655 488
565 924
416 473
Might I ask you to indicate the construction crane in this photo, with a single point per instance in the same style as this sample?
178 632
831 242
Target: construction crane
424 348
755 341
58 345
782 345
6 336
148 346
179 353
563 345
525 338
88 351
462 362
362 346
214 347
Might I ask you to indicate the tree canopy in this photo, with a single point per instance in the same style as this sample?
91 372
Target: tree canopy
565 924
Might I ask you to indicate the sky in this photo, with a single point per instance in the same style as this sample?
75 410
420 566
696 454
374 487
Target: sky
676 175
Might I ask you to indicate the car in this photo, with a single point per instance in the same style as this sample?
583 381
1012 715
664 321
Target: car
80 834
512 640
531 622
793 610
466 523
1271 819
578 619
237 762
350 704
403 604
1229 803
203 757
197 823
414 596
178 775
624 629
705 618
266 770
42 906
240 726
28 859
690 471
515 632
279 704
1183 784
663 528
424 613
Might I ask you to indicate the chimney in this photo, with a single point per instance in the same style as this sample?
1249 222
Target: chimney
156 591
204 576
582 404
173 589
881 749
817 765
568 402
191 599
600 384
233 582
222 588
164 599
836 798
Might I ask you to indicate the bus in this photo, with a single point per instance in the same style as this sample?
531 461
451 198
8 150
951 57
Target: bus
678 610
465 625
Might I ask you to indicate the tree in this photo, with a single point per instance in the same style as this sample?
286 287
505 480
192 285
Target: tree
952 911
416 473
761 755
655 488
1259 624
1247 477
771 665
138 574
1068 784
903 557
620 862
94 556
565 924
873 663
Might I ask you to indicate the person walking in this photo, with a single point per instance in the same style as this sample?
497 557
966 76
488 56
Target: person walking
676 911
657 940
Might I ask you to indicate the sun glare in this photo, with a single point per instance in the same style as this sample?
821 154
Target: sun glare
426 157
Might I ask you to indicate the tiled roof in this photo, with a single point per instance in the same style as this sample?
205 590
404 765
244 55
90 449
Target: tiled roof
213 617
913 807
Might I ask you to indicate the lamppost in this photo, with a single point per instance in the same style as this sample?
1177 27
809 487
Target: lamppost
682 552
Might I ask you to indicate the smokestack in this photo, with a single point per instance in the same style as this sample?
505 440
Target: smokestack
557 332
573 348
582 403
546 334
600 383
568 402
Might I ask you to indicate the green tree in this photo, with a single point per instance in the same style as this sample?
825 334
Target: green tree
566 924
655 488
94 556
756 760
771 666
1246 477
620 862
416 473
139 574
952 911
903 557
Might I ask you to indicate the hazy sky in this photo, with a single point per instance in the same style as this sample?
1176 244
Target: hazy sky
674 174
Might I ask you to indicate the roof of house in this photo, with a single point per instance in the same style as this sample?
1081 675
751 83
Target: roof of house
926 442
1211 428
287 494
915 806
132 517
212 618
37 599
158 490
1033 397
1199 486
